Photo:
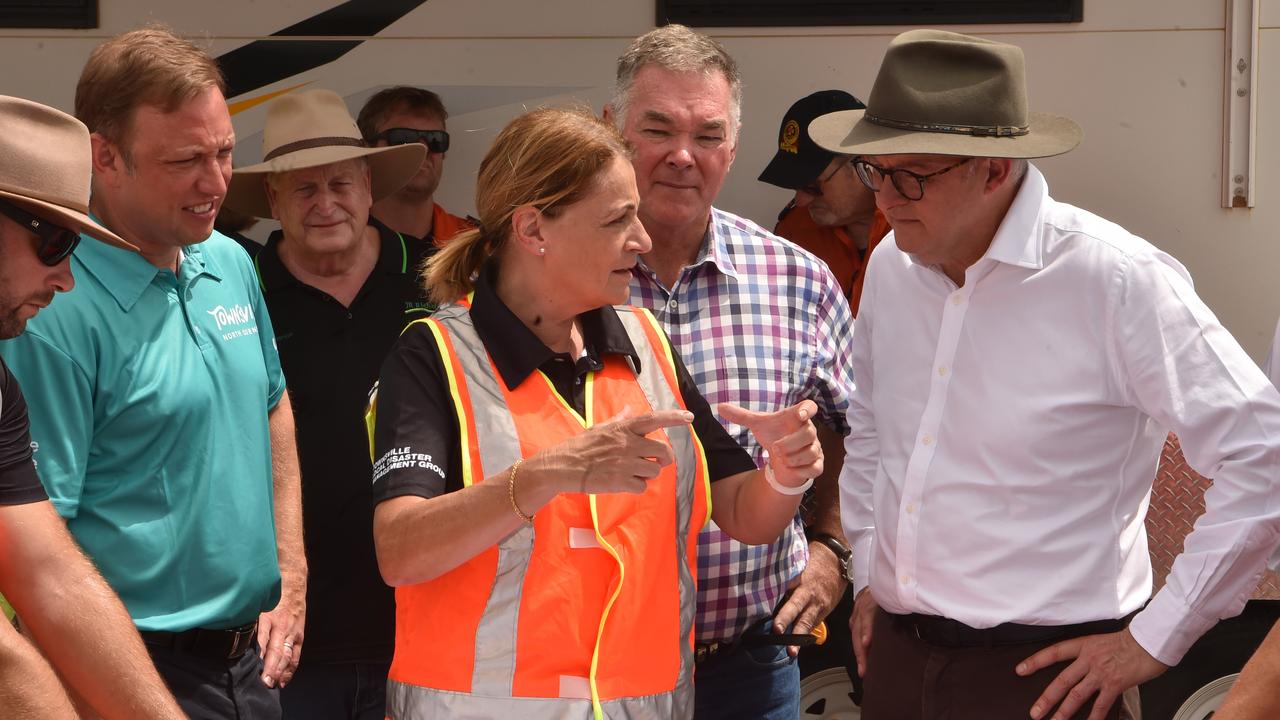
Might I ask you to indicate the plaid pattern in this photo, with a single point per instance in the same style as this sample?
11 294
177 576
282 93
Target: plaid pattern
761 323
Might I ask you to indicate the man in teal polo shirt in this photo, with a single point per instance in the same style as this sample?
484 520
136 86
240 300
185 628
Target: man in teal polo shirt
164 434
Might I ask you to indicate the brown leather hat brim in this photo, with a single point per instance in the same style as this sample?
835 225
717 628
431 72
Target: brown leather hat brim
68 218
849 133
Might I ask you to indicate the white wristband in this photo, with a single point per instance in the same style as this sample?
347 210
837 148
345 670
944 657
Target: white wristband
783 489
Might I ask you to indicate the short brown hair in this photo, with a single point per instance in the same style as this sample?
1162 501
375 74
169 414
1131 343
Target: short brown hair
547 158
401 97
678 49
147 66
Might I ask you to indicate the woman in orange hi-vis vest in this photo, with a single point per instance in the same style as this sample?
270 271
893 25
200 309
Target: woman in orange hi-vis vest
543 462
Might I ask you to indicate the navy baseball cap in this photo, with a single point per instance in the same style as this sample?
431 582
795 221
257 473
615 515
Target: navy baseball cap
799 160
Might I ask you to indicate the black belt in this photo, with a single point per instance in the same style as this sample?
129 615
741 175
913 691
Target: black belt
945 632
229 644
755 636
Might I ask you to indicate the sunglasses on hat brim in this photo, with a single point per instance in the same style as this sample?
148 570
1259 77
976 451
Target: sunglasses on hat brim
437 141
56 242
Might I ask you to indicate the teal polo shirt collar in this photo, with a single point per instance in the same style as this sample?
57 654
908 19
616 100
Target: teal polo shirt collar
126 274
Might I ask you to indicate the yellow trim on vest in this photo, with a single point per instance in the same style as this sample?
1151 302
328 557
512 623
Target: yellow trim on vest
464 412
585 419
370 421
702 454
577 416
604 616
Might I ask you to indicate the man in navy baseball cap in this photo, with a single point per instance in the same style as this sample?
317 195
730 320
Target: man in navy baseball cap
832 215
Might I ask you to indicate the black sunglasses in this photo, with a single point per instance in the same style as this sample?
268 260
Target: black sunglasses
437 141
56 242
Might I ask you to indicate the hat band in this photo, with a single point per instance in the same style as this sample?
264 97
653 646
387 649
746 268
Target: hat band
975 130
313 143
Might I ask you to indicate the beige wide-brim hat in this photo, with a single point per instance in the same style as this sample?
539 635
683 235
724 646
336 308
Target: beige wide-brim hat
310 129
944 93
45 166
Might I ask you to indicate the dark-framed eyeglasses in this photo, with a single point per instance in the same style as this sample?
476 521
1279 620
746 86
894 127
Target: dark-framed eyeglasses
437 141
909 185
815 188
56 242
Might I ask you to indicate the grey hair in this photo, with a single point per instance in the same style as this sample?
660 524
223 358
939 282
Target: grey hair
676 48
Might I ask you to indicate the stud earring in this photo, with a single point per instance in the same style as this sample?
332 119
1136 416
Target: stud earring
542 251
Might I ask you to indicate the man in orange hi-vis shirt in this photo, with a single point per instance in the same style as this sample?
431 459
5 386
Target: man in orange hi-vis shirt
832 215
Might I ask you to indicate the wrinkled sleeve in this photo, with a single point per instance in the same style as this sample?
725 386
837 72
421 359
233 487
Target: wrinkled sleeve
1176 362
831 379
861 444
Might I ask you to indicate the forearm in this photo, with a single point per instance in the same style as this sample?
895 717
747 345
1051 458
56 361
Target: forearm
1254 695
749 510
287 498
826 487
28 686
419 539
88 636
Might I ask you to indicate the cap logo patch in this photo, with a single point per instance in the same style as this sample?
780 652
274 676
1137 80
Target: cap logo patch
790 134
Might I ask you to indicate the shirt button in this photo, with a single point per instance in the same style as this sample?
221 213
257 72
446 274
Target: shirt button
927 440
957 299
942 371
911 508
672 304
906 579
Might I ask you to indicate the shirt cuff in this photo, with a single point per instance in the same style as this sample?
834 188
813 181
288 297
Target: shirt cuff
861 560
1166 629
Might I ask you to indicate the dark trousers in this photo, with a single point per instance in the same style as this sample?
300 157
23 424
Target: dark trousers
217 689
909 679
336 691
748 683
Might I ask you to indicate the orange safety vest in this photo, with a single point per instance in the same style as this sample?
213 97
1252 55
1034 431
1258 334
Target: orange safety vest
588 612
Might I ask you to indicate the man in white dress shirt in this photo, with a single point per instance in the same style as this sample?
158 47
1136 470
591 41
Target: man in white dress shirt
1019 363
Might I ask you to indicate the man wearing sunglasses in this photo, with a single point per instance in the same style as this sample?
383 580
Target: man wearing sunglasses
66 607
165 436
1020 363
398 116
832 215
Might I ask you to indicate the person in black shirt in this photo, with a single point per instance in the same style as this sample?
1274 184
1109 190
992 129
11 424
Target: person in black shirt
564 401
73 617
339 286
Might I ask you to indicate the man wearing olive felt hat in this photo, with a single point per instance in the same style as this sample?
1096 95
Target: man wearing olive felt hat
340 286
996 511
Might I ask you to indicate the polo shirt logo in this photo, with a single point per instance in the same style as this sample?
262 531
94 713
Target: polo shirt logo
234 316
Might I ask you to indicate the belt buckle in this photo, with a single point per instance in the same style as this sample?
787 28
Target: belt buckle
241 640
706 652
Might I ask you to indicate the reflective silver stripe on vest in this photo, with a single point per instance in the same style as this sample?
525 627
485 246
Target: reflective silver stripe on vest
499 448
660 397
409 702
496 635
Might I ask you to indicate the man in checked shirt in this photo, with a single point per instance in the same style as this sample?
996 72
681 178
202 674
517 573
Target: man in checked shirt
759 322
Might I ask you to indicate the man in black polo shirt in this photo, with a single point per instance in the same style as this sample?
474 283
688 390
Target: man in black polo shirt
340 286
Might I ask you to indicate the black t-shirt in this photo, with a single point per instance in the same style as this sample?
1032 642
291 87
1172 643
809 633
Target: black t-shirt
18 482
415 410
331 356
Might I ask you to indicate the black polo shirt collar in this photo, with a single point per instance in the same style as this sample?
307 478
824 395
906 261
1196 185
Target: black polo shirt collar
393 259
517 351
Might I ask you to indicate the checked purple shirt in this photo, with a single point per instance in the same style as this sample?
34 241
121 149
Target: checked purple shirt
761 323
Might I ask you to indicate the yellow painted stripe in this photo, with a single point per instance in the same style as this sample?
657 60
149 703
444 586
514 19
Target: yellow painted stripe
242 105
463 412
702 454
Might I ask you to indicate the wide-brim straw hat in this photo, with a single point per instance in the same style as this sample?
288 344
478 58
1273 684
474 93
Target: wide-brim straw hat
45 166
943 93
310 129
